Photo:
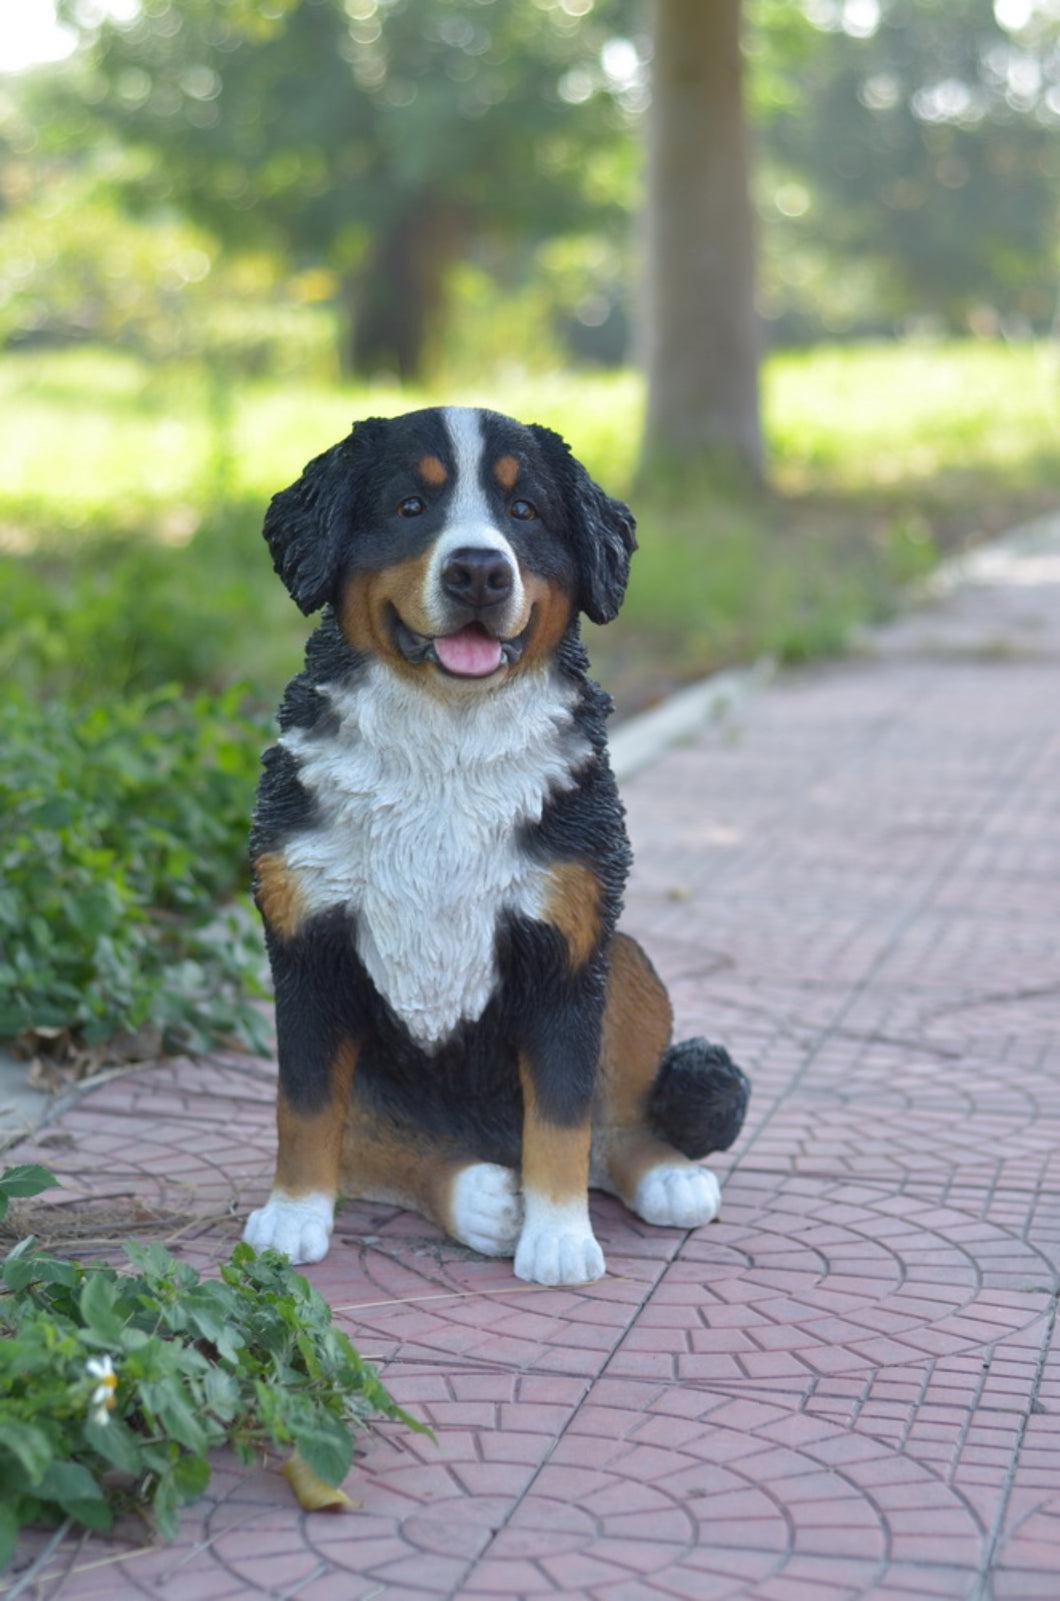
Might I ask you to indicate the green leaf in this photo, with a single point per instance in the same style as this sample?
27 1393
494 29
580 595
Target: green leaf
116 1444
115 899
222 1393
156 1264
68 1481
23 1248
212 1310
19 1270
191 1475
31 1446
177 1418
93 1514
98 1304
53 1270
326 1444
273 1332
165 1505
29 1178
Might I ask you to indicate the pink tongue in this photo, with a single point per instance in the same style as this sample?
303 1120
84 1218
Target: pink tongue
471 652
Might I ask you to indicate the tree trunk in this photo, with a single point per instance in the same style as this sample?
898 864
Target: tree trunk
701 340
397 305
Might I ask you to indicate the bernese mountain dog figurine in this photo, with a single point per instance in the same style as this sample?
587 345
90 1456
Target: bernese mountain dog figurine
439 858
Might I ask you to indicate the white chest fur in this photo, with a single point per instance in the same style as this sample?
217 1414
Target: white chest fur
419 807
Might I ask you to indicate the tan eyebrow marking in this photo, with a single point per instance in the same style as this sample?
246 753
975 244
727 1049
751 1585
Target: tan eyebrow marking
432 471
506 471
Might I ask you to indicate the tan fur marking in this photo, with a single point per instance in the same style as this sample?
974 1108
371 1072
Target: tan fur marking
573 906
367 600
403 587
432 471
354 612
506 471
310 1147
555 1160
638 1027
548 612
278 894
638 1023
381 1162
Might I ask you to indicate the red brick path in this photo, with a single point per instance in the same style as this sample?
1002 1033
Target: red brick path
849 1387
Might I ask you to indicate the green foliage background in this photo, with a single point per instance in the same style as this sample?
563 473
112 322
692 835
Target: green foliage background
124 831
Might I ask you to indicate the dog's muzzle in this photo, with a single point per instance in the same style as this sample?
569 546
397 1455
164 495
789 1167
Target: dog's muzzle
478 591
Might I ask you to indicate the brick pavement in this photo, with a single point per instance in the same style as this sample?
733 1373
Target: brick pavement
847 1389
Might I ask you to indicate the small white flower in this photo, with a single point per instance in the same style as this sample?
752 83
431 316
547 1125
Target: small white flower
103 1396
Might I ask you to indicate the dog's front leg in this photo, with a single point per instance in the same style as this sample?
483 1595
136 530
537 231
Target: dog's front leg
317 1062
557 1244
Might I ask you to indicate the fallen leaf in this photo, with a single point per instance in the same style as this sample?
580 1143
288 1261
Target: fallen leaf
310 1489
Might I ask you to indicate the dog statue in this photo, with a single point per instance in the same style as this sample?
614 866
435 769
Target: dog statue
439 858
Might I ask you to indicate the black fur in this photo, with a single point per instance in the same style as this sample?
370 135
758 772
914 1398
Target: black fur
699 1099
305 525
603 531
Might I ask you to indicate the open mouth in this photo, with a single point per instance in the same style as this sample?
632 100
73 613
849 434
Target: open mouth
470 652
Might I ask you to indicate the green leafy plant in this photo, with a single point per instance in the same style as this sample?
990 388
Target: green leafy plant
116 1386
123 868
101 613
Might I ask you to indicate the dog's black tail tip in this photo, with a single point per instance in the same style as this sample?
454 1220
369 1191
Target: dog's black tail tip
699 1099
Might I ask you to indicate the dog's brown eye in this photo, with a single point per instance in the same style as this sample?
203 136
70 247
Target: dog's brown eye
523 510
413 506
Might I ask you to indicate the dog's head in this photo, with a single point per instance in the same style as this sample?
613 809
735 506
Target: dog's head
452 541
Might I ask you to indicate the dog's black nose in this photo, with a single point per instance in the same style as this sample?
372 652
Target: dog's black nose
478 578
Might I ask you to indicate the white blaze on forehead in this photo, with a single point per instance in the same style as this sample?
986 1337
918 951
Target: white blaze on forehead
471 523
464 428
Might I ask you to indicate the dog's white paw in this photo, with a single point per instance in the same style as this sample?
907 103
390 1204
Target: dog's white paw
557 1246
299 1226
486 1209
675 1195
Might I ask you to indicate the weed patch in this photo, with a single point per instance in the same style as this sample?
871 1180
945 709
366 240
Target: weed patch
123 899
115 1387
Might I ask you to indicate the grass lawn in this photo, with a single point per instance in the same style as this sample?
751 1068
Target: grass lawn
132 497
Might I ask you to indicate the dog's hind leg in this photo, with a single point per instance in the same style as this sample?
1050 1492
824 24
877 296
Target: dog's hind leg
659 1106
478 1203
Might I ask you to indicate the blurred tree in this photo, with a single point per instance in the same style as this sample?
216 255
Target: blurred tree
701 334
906 155
76 266
374 139
914 156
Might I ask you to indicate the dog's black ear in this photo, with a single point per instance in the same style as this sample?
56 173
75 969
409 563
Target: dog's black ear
602 530
308 524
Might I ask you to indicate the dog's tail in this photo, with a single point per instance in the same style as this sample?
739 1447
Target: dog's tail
699 1098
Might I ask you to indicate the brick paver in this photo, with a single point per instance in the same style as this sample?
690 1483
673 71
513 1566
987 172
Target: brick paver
848 1389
